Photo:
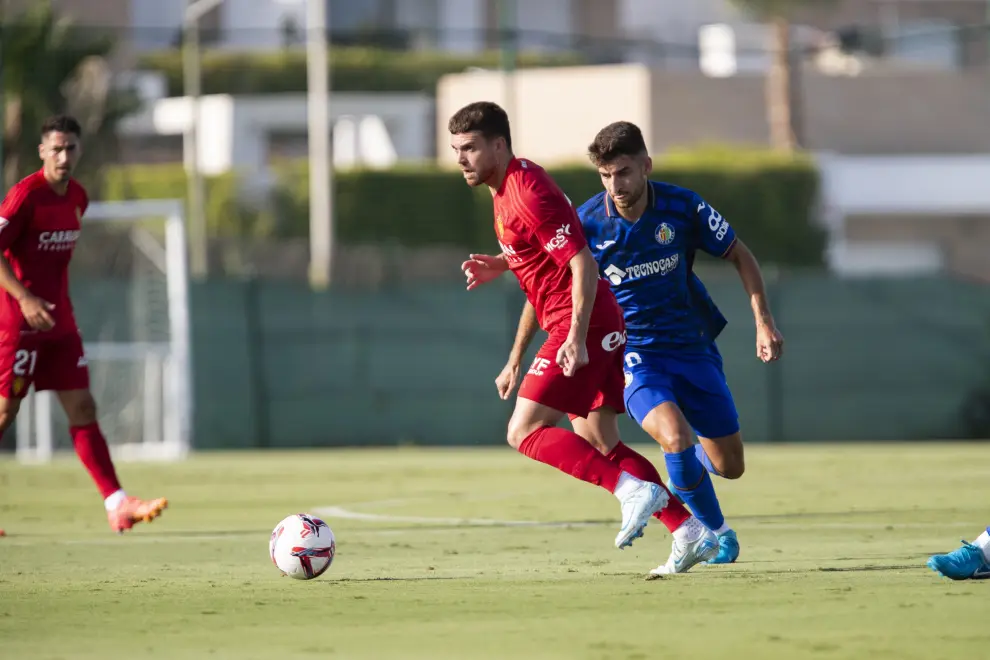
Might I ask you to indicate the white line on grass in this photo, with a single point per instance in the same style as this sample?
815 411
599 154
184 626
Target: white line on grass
29 540
428 524
339 512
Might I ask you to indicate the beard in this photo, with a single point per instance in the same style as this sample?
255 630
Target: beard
629 199
61 174
479 176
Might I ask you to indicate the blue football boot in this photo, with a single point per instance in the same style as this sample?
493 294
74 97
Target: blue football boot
728 549
965 563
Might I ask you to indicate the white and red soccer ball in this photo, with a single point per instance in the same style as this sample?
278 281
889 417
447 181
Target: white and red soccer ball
302 546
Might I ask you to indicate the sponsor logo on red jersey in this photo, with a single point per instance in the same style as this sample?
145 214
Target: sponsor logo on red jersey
58 241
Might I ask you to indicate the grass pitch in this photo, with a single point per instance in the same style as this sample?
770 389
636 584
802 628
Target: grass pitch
484 554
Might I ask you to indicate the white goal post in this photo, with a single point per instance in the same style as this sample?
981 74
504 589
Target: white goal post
142 383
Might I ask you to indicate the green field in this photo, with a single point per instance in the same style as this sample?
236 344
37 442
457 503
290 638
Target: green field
428 566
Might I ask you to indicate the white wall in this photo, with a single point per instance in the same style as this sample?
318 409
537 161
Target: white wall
875 186
898 184
234 130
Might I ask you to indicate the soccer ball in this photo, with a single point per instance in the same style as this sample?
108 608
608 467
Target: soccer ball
302 546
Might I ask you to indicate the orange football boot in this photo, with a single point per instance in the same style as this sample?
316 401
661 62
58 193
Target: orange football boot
133 510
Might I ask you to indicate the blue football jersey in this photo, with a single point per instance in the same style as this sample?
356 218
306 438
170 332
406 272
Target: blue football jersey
650 265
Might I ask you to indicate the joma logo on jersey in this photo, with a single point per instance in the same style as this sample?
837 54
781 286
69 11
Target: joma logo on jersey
716 222
658 267
57 241
560 239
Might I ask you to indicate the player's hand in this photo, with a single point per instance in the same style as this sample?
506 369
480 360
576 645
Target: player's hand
507 380
37 313
572 356
482 268
769 343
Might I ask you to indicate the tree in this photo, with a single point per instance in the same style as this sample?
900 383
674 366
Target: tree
777 15
50 65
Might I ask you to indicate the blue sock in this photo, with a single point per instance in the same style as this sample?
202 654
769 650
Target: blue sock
687 474
705 461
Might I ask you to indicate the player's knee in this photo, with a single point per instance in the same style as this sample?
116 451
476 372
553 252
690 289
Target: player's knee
516 435
7 418
678 442
82 412
666 425
674 440
519 430
8 412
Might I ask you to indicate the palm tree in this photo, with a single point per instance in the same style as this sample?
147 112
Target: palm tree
777 14
51 65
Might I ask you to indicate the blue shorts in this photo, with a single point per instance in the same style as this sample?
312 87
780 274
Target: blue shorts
693 380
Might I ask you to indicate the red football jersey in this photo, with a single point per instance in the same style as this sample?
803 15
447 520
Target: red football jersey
38 232
539 232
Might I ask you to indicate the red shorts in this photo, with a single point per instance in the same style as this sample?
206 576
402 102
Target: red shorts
49 363
599 383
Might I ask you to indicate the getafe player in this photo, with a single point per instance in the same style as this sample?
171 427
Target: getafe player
644 235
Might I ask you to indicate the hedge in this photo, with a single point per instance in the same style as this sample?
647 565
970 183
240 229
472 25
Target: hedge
352 69
769 199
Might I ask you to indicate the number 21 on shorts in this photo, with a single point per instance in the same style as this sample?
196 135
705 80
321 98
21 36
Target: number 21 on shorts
24 364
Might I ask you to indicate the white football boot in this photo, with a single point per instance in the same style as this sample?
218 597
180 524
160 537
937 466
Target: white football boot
640 500
693 543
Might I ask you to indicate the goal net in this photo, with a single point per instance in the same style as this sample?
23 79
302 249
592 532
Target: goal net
130 291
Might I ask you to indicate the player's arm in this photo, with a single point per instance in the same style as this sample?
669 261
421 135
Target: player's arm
9 281
524 333
557 228
14 212
718 238
769 341
507 380
584 287
752 280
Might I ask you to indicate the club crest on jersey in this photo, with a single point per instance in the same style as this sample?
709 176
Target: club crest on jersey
665 234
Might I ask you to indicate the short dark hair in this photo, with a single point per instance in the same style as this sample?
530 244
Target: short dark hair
622 138
483 117
61 124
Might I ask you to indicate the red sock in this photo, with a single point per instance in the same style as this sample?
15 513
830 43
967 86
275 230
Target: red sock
674 514
91 448
568 452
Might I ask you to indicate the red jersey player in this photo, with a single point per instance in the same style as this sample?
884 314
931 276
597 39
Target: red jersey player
578 371
40 221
